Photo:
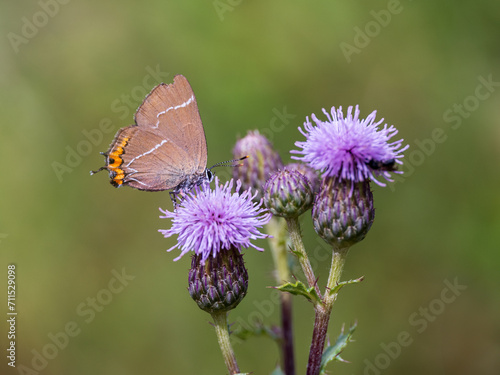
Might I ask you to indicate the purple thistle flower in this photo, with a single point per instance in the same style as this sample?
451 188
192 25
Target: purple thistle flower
208 221
350 148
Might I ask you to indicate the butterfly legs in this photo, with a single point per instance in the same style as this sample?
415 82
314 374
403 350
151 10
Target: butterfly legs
176 197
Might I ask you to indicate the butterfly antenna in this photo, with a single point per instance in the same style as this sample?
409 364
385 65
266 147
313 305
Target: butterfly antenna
225 163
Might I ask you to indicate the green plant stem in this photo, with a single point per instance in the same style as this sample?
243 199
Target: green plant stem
277 228
299 249
220 320
323 312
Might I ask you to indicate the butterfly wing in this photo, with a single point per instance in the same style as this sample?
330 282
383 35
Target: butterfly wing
166 147
173 110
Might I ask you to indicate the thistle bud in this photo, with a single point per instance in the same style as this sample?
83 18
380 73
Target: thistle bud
308 172
343 211
288 194
219 284
263 160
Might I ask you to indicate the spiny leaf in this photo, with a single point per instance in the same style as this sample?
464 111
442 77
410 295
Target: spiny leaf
332 352
299 289
342 283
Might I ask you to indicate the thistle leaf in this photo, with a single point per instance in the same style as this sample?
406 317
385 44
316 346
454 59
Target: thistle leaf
299 289
339 286
332 352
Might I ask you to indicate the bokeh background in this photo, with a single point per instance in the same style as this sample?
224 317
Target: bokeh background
68 68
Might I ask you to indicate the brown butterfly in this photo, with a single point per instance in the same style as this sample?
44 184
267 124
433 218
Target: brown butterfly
165 148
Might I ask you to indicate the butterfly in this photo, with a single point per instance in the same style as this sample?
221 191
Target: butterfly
166 148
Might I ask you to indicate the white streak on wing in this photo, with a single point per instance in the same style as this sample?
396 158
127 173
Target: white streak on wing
134 171
147 152
136 180
186 103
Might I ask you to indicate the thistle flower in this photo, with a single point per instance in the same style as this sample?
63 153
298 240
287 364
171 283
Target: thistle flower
263 160
350 148
210 221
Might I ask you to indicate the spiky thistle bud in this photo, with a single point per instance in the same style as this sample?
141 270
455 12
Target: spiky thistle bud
308 172
343 211
288 194
263 160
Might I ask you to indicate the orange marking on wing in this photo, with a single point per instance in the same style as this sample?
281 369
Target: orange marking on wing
116 164
119 176
115 155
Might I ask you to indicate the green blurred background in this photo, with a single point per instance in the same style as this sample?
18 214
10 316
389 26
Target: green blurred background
91 62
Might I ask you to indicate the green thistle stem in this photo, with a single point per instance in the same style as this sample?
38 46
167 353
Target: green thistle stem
323 312
277 228
220 320
300 251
